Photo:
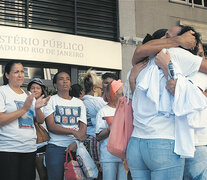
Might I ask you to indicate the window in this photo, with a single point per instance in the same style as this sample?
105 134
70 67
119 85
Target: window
26 72
91 18
12 12
53 72
196 3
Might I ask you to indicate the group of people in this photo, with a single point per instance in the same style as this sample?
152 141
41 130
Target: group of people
100 99
70 115
169 139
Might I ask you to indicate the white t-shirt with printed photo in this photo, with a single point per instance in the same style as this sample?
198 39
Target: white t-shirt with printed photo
20 134
101 124
67 113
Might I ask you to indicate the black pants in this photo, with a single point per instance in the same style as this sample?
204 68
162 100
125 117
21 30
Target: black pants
17 166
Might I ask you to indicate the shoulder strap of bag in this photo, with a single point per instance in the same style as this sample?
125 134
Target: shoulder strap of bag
68 152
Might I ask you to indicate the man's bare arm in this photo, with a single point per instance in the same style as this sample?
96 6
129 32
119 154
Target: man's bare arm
134 73
186 40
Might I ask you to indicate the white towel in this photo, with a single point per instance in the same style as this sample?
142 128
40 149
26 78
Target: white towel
188 104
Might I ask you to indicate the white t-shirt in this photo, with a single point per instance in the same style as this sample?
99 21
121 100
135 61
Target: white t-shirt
162 126
101 124
20 134
188 63
67 113
200 80
93 105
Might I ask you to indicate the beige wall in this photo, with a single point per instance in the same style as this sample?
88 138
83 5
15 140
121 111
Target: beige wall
128 29
139 17
154 14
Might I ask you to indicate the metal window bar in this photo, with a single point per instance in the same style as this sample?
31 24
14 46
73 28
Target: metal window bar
193 3
91 18
12 12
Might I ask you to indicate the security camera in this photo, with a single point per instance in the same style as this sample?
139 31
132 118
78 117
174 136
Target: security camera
137 40
124 39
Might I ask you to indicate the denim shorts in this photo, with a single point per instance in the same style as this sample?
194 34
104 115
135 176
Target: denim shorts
154 159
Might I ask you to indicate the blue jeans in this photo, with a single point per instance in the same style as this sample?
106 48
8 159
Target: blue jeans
55 158
196 168
154 159
113 171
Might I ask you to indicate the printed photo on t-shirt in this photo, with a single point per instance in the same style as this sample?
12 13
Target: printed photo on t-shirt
67 115
26 120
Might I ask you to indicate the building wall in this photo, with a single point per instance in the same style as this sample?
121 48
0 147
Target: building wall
139 17
127 29
154 14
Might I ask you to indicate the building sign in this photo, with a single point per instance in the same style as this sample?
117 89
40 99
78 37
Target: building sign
37 45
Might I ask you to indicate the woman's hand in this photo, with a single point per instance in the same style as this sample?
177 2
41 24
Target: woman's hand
41 101
81 133
162 59
28 102
72 147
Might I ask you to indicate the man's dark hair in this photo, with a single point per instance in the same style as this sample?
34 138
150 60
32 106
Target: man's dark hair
156 35
197 36
109 75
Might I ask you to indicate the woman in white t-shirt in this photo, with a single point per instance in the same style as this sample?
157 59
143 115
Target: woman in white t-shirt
112 166
66 123
17 132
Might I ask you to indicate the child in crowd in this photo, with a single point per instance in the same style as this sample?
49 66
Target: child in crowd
38 88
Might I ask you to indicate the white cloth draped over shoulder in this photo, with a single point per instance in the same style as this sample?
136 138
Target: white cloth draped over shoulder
186 106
